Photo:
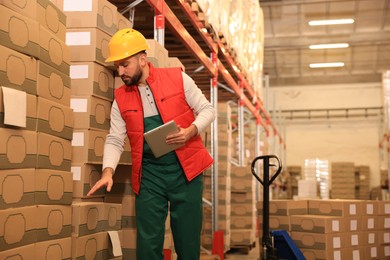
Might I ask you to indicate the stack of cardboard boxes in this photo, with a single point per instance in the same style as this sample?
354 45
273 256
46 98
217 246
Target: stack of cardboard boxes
343 180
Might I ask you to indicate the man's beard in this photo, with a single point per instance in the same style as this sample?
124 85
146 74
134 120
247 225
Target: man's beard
133 81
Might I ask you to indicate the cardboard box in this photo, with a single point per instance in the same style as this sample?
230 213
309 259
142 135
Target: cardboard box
242 236
53 187
128 208
53 153
54 51
88 218
175 62
329 241
18 149
370 223
16 188
336 207
317 224
129 240
94 246
122 181
23 252
52 18
54 119
88 146
335 254
27 8
19 32
243 184
241 222
89 44
285 207
84 177
353 224
53 85
53 249
123 22
157 54
18 71
17 227
113 215
98 13
53 222
384 236
383 207
373 252
92 79
91 113
31 113
242 209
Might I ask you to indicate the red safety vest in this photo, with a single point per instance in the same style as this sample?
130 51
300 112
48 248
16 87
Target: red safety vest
168 90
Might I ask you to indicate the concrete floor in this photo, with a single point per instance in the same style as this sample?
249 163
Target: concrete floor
242 254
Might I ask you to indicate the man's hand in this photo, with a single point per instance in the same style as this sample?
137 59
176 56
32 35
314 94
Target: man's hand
182 135
105 180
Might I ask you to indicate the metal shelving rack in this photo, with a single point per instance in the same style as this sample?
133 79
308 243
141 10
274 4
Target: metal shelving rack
215 68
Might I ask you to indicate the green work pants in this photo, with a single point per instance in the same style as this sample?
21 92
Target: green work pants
162 184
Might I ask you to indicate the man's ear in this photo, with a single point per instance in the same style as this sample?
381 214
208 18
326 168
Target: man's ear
142 58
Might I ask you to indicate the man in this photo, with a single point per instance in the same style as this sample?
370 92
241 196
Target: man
150 97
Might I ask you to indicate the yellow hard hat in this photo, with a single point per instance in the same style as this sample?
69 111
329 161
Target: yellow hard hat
125 43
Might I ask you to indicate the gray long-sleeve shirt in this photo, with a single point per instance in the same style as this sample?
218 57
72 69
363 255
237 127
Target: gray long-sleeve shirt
203 110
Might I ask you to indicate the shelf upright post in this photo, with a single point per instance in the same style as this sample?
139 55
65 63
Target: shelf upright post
241 133
258 152
159 24
214 144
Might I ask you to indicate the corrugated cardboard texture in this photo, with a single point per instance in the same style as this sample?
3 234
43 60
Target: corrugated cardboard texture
52 18
23 252
53 51
17 227
84 177
53 222
123 22
89 44
113 213
88 146
19 32
99 13
128 208
52 84
18 149
88 218
27 7
18 71
92 79
54 249
17 188
91 113
94 246
318 224
53 153
157 52
335 207
53 187
54 119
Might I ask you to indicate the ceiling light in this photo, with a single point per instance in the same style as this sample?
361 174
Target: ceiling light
331 22
326 65
329 46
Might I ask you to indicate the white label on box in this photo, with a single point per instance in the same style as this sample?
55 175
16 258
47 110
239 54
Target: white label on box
387 208
370 209
373 252
387 223
387 250
78 71
370 223
336 242
77 5
353 225
371 238
78 139
335 225
78 38
355 255
76 170
352 209
336 255
79 105
354 240
386 238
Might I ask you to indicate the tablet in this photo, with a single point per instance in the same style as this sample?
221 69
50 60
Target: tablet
156 139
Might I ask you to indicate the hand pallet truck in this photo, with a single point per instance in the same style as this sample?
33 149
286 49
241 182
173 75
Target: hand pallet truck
276 244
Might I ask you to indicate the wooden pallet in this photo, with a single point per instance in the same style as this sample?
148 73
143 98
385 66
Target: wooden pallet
242 248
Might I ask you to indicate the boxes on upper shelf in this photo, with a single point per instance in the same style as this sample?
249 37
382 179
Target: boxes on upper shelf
52 18
28 8
157 54
53 187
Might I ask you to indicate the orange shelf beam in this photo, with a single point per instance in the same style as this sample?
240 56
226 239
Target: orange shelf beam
176 26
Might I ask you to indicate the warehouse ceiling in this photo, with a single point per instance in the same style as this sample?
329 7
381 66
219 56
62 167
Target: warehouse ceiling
287 37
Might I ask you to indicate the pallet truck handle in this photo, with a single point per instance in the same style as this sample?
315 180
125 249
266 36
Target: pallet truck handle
266 159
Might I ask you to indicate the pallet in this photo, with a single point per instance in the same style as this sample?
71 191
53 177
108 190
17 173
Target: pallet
242 248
